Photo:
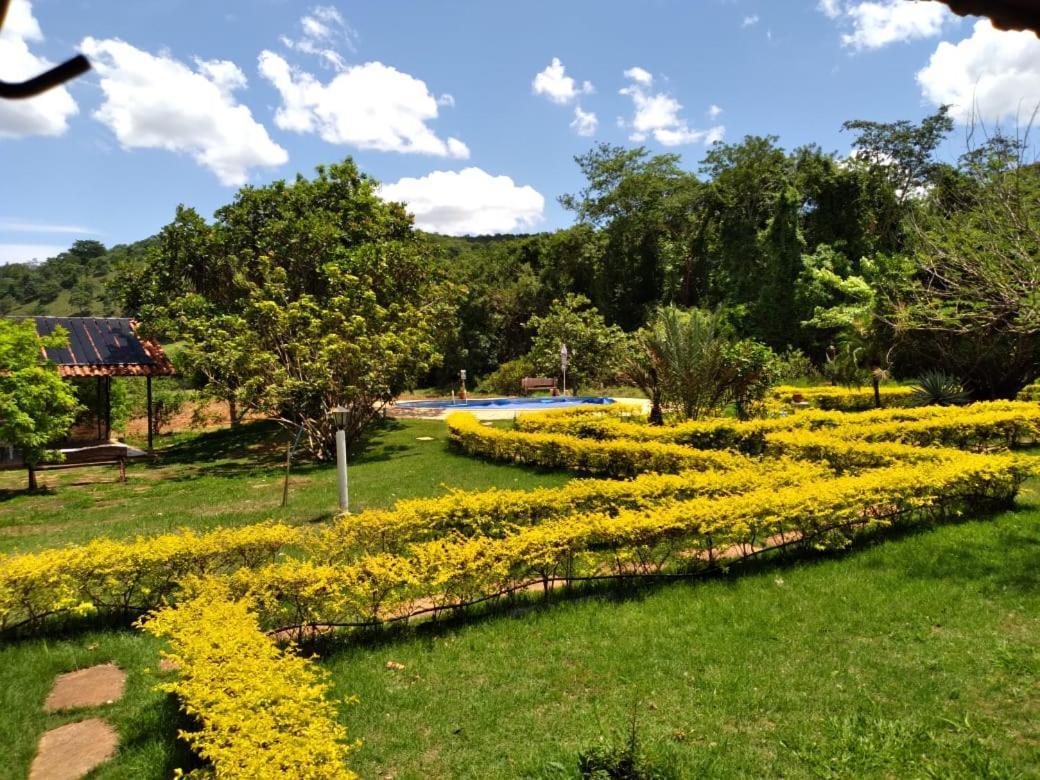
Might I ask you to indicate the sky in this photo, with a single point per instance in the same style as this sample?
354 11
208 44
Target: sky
471 112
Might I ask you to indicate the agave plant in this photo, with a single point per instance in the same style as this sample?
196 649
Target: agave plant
936 388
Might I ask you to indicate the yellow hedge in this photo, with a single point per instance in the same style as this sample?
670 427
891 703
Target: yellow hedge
263 712
498 512
113 575
676 536
617 459
847 399
1000 423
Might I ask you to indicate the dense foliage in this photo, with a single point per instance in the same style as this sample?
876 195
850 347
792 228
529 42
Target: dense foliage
36 405
299 298
885 263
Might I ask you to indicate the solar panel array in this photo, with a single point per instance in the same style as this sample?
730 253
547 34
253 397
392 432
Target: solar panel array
95 341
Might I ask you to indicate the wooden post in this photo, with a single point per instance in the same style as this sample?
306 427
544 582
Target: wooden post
288 463
122 469
149 393
97 408
108 408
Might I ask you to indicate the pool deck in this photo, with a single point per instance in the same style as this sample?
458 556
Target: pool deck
418 413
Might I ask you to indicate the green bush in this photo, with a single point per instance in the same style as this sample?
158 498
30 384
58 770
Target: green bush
505 380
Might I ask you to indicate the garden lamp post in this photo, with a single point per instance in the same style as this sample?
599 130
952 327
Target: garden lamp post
563 365
462 384
340 416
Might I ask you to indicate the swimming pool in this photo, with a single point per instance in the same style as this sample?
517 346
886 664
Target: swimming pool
518 404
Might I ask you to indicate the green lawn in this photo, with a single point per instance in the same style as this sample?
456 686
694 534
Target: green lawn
917 656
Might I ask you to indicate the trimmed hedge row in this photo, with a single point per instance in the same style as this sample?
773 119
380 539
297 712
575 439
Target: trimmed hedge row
1001 423
681 536
844 399
263 712
616 459
119 576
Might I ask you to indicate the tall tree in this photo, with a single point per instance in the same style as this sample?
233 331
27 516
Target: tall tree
36 405
300 297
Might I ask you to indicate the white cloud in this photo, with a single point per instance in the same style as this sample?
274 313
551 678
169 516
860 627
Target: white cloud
585 122
25 253
12 225
714 111
878 23
830 8
750 21
321 31
157 102
639 76
370 106
467 202
993 73
46 114
657 116
555 84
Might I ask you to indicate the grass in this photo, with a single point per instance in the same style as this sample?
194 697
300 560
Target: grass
912 658
229 478
917 656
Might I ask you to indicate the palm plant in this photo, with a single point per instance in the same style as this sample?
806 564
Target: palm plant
937 388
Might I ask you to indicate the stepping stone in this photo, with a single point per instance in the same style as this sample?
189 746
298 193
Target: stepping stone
91 687
71 751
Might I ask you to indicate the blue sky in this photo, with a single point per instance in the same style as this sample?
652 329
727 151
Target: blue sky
471 112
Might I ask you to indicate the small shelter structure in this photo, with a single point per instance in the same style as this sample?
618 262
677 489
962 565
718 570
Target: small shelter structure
104 347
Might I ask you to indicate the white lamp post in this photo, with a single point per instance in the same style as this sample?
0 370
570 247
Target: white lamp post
563 365
462 381
340 416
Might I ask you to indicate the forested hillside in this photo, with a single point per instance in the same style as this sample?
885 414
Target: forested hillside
886 260
73 283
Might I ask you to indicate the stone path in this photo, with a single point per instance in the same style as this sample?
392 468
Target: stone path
91 687
69 752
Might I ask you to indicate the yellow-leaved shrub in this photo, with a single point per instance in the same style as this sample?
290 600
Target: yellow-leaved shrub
262 711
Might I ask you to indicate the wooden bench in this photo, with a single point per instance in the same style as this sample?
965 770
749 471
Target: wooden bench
529 383
100 455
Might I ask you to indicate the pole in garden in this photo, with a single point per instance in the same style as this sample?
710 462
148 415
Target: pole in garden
462 384
340 416
563 365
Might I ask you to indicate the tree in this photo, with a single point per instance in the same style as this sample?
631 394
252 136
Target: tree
778 320
83 298
970 304
594 347
643 206
36 405
300 297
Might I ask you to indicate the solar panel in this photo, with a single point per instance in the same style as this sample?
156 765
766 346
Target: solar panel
95 341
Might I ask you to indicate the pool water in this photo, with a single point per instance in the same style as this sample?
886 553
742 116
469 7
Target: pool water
519 404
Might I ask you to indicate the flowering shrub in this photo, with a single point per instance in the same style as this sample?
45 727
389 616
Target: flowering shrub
846 399
617 459
121 576
262 711
1001 423
673 536
499 512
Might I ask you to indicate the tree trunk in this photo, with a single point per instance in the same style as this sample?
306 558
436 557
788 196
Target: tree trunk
233 411
32 479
